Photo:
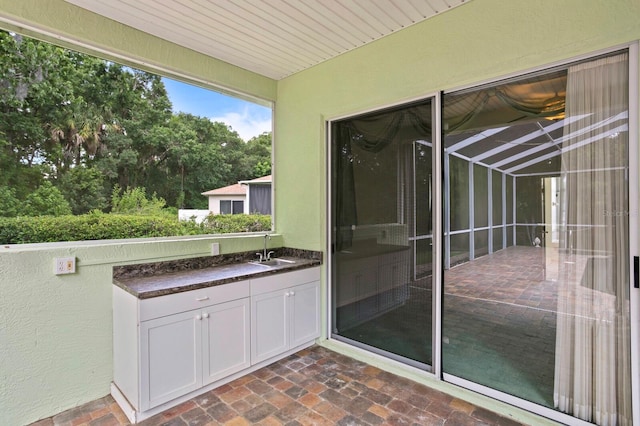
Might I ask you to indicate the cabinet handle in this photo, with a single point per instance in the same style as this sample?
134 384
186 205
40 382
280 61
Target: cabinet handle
198 317
202 299
205 315
293 293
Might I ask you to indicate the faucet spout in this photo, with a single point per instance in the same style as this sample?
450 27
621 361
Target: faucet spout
266 256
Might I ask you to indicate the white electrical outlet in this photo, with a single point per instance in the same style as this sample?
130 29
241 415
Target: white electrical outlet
65 265
215 249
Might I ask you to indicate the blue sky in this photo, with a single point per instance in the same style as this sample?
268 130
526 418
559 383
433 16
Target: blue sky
246 118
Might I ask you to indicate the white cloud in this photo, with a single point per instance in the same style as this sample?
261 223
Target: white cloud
249 123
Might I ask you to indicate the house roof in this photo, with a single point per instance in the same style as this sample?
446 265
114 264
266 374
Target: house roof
272 38
235 189
239 188
260 180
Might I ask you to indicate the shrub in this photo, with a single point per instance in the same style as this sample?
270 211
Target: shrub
92 226
229 223
100 226
135 201
46 200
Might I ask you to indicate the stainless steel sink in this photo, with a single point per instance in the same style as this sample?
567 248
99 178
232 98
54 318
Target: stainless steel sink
273 262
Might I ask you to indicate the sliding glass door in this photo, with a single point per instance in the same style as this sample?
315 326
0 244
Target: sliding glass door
534 303
381 261
540 311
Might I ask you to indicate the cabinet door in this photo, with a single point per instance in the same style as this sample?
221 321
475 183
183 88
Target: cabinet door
171 357
269 325
393 273
226 329
304 301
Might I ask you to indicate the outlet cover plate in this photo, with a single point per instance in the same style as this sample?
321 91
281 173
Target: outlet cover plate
65 265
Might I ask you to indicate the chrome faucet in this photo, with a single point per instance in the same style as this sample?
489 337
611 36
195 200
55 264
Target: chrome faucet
264 256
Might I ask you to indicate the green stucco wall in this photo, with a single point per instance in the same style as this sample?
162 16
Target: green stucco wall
55 331
481 40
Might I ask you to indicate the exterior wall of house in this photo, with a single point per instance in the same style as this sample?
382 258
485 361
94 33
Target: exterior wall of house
55 331
480 41
214 202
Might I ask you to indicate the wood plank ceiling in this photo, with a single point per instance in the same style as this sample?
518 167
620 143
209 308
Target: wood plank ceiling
274 38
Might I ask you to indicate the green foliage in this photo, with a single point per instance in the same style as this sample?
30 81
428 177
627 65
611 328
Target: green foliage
101 226
83 188
84 125
92 226
47 200
9 204
230 223
134 201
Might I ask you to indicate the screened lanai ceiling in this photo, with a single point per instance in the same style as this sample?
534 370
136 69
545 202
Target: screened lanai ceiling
520 127
274 38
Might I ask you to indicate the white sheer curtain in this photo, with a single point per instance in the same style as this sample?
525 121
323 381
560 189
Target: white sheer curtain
592 367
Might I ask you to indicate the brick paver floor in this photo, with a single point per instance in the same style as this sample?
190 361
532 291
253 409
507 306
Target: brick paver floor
315 386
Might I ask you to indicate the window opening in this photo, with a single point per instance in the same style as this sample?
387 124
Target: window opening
86 140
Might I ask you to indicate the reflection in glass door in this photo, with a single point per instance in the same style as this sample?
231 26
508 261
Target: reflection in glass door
419 214
536 304
381 221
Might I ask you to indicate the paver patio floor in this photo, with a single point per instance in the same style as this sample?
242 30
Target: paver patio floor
315 386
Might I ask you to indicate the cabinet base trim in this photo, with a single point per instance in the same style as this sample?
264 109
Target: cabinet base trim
122 401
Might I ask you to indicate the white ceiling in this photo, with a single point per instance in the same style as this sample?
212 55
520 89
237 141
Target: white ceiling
274 38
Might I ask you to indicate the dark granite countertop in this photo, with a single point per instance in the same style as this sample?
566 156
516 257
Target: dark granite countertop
162 278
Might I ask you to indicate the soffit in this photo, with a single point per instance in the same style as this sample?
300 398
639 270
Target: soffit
274 38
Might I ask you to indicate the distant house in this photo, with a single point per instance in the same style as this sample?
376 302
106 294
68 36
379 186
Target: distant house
246 196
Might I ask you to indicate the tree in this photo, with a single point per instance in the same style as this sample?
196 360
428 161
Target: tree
9 203
86 124
243 157
84 189
258 151
47 200
194 160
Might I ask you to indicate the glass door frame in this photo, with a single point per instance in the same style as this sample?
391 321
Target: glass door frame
439 239
634 237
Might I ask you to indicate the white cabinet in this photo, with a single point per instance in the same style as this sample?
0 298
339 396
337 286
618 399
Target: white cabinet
171 358
227 340
172 347
370 286
172 351
283 316
182 352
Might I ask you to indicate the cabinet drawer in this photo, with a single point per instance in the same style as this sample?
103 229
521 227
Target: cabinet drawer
284 280
179 302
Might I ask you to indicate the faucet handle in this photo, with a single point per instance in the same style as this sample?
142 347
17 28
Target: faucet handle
260 259
269 255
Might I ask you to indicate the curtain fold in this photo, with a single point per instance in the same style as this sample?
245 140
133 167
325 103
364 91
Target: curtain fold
592 366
